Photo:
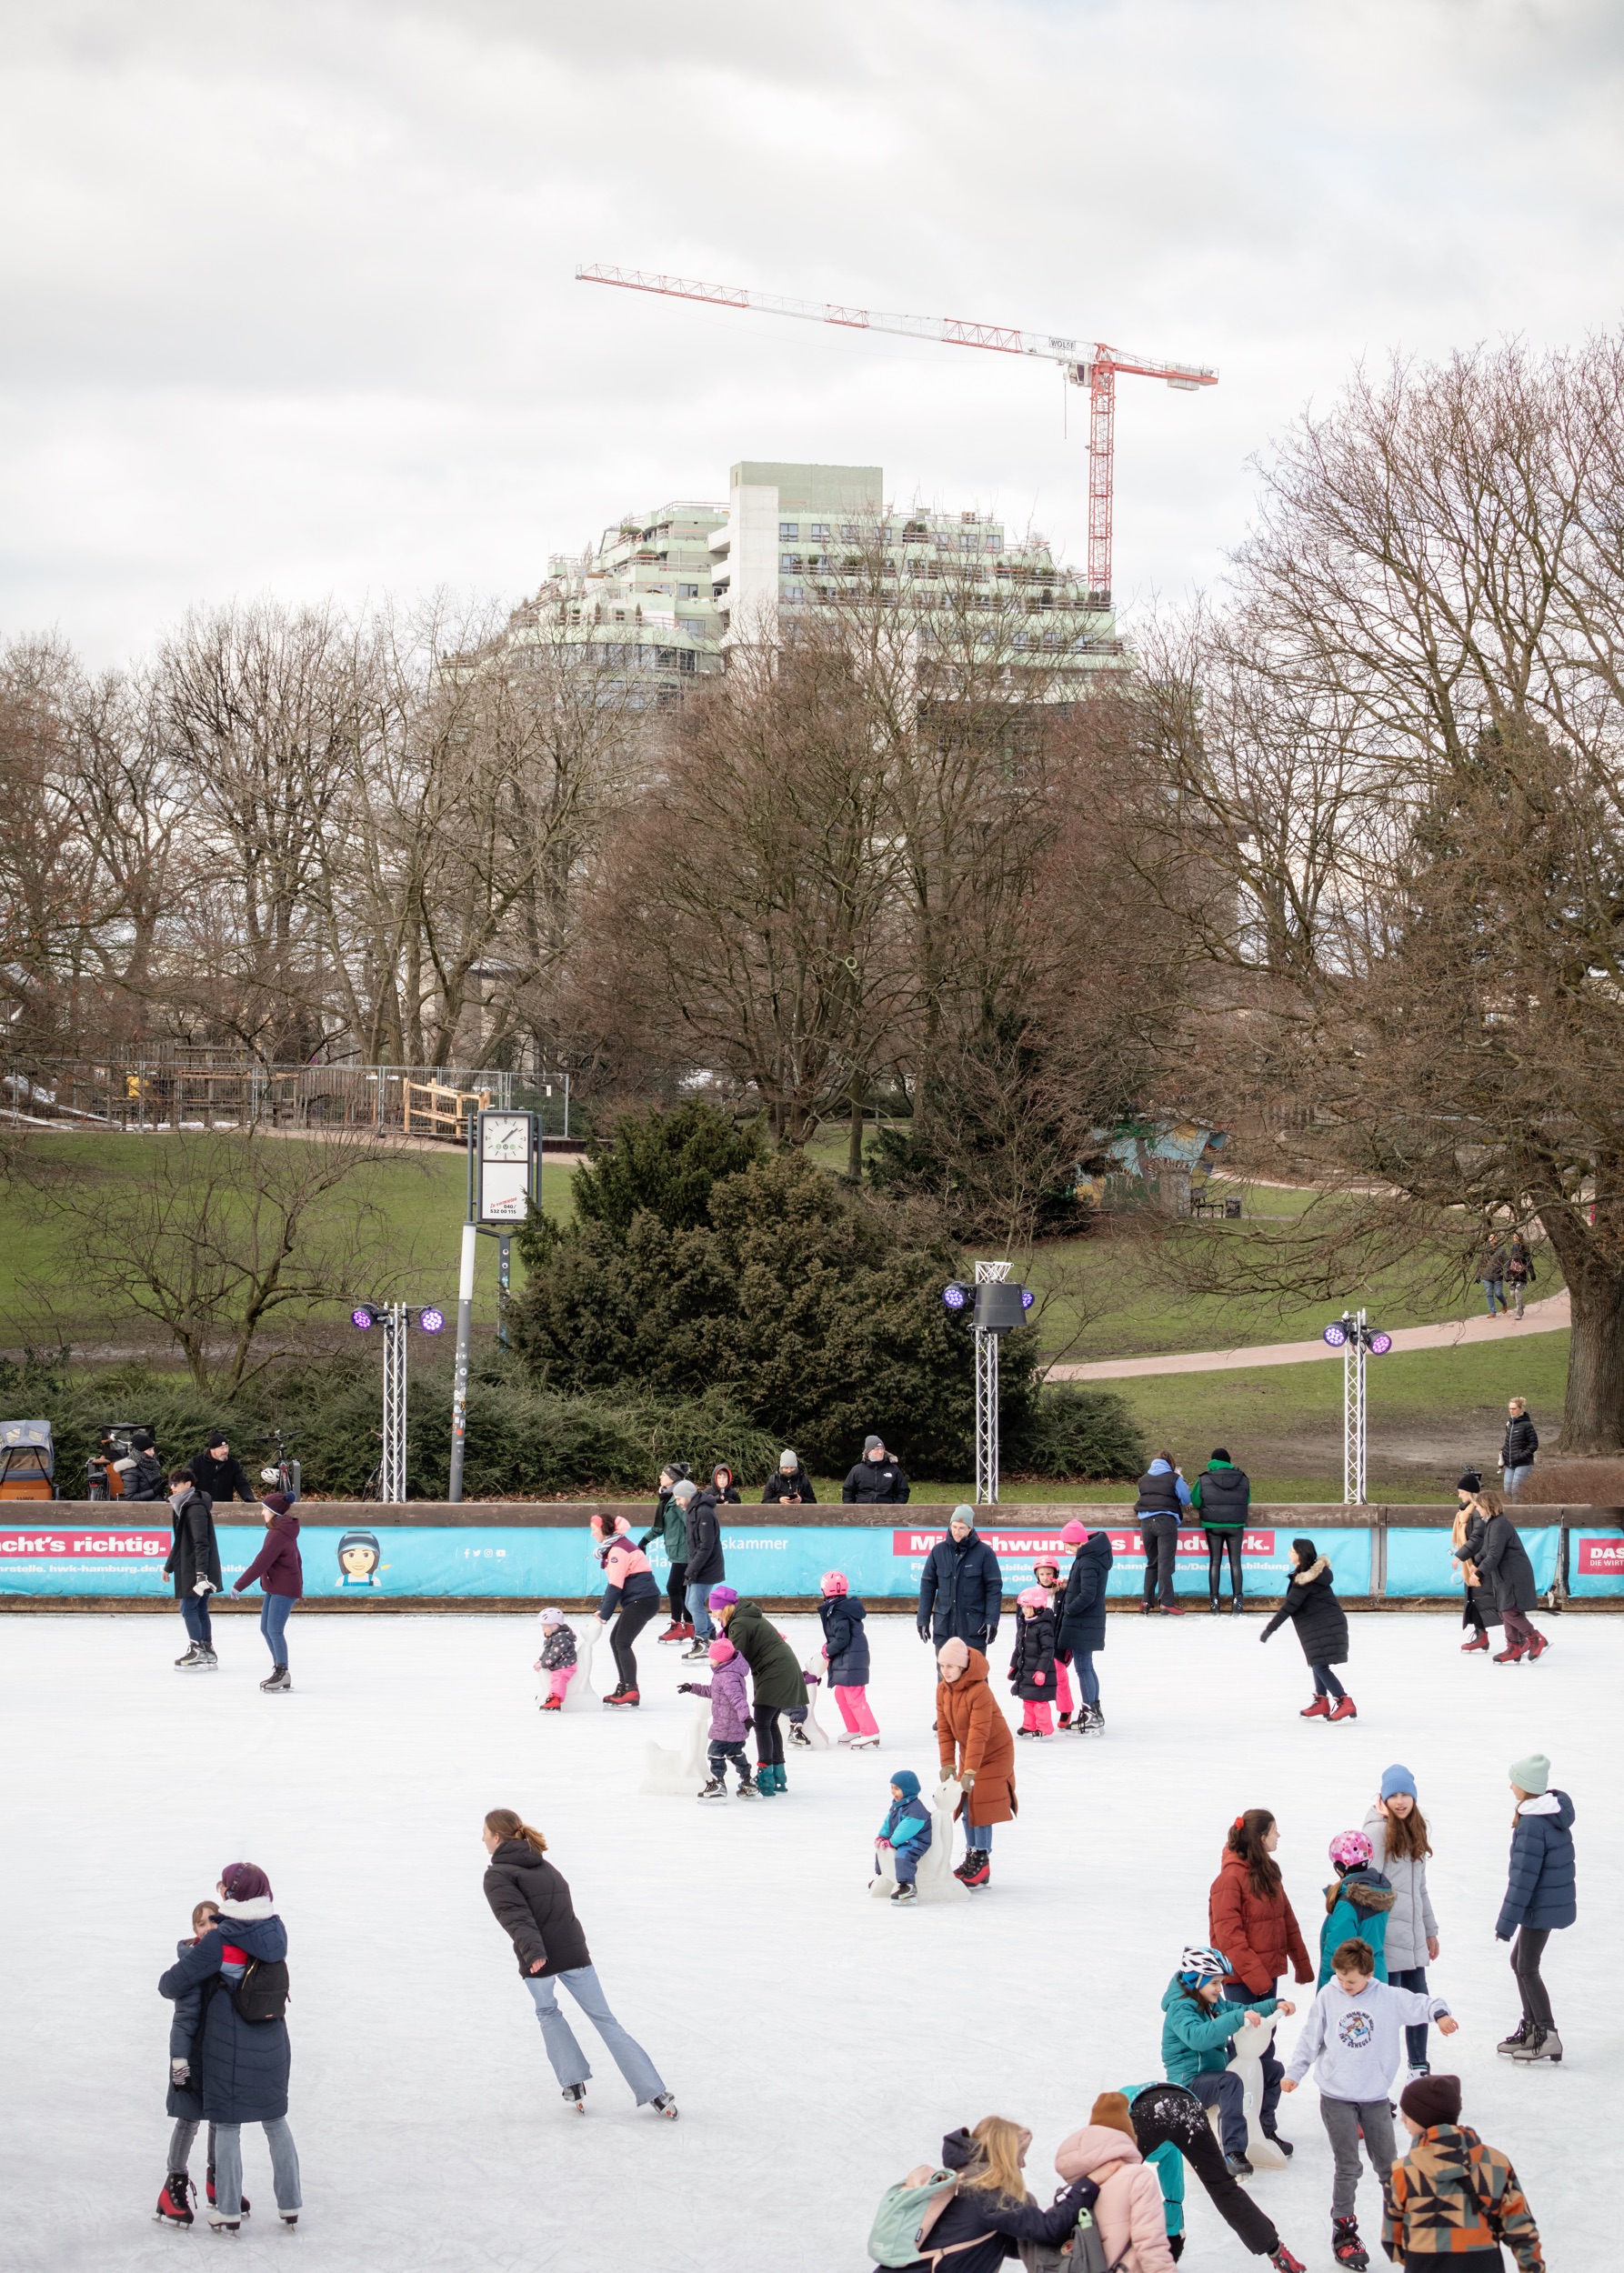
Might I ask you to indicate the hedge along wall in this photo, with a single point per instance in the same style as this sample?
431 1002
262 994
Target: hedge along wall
427 1555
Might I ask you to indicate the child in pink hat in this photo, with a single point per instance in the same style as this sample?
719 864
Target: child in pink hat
1047 1575
1032 1662
729 1696
846 1648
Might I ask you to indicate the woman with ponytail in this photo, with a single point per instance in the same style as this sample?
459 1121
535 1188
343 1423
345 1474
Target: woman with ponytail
1251 1921
530 1901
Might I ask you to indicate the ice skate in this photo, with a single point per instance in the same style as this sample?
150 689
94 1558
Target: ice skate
244 2204
1345 2245
552 1704
279 1684
208 1660
1422 2068
747 1789
624 1697
904 1891
218 2223
576 2094
174 2201
289 2218
1512 1656
715 1790
864 1744
1537 1648
1284 2262
1238 2166
1092 1723
1543 2044
675 1632
1345 1710
1065 1720
1320 1709
664 2104
1518 2037
977 1869
1479 1641
194 1657
797 1735
696 1648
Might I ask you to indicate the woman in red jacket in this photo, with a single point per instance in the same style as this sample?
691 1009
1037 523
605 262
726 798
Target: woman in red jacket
1253 1924
280 1572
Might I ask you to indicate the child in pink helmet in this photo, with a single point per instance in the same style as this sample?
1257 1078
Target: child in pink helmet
1032 1662
728 1692
846 1648
1356 1903
1047 1575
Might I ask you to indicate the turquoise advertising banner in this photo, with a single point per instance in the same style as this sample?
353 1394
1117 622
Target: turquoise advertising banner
1420 1562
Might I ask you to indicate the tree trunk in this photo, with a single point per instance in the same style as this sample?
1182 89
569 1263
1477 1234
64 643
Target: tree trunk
854 1153
1593 1411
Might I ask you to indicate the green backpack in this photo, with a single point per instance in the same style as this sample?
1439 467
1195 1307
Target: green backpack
907 2214
1083 2253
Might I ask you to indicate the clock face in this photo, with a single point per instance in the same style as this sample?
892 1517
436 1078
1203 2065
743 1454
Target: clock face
504 1136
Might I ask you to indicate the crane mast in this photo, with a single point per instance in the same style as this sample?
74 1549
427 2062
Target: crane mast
1085 362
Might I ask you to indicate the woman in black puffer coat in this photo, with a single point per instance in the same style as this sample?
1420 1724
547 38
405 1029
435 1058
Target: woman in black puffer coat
245 2063
1321 1624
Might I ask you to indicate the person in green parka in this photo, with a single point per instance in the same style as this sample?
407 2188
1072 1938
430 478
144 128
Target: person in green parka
1221 1498
777 1681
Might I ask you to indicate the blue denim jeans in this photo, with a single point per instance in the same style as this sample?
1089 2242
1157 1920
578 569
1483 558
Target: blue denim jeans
274 1613
570 2064
193 1611
1513 1479
229 2164
699 1617
1415 2034
1494 1292
1087 1680
1223 2092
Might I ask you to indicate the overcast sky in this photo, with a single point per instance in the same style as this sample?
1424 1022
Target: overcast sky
289 303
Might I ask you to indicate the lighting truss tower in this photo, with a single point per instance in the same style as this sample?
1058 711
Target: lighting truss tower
1354 1433
1085 362
987 1398
392 1479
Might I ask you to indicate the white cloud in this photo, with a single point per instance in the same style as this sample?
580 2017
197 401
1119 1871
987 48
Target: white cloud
290 304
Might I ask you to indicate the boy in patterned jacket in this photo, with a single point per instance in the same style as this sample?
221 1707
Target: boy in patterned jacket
1451 2197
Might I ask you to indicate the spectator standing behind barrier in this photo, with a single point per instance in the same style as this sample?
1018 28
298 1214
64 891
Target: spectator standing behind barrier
1521 1443
1163 1496
1221 1496
961 1587
877 1480
144 1478
788 1485
219 1472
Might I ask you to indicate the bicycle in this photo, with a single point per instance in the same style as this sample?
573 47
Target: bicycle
285 1475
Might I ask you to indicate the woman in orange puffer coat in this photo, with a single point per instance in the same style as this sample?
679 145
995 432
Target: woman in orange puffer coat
974 1738
1128 2210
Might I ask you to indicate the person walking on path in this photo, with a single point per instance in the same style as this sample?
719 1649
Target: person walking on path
1480 1611
194 1564
777 1683
1221 1496
1517 1447
1491 1271
706 1568
1540 1899
218 1473
876 1480
1163 1496
1321 1625
1452 2200
529 1900
279 1572
973 1737
961 1587
1400 1848
1170 2113
631 1597
669 1529
788 1485
241 1965
1082 1618
1521 1273
1251 1920
1502 1564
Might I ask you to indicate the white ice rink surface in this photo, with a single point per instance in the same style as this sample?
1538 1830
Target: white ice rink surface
819 2043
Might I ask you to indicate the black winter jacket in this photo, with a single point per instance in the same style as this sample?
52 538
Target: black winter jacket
194 1551
1503 1565
972 2214
184 2103
846 1639
875 1484
1226 1496
245 2063
961 1592
1320 1621
798 1485
1032 1660
1082 1606
147 1480
1521 1442
530 1902
221 1479
706 1565
1158 1496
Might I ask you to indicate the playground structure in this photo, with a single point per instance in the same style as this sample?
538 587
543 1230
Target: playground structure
193 1089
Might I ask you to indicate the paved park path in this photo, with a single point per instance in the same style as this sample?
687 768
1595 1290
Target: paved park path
1548 1316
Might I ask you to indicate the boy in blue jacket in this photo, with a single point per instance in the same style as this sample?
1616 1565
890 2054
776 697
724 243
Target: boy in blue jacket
1195 2045
906 1832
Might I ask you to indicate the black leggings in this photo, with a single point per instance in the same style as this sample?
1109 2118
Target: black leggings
674 1592
629 1621
769 1736
1526 1953
1168 2111
1326 1683
1216 1541
1472 1615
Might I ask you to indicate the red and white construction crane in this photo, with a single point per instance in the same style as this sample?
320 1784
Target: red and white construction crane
1085 362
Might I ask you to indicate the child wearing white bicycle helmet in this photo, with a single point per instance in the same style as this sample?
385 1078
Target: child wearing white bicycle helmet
1195 2044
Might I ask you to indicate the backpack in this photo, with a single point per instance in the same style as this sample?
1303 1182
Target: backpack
1083 2253
907 2214
263 1992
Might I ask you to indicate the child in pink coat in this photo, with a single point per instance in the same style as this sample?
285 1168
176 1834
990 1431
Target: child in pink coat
1129 2212
1048 1576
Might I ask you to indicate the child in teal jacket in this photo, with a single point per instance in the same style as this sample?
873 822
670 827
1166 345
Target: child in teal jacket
1356 1904
905 1834
1197 2026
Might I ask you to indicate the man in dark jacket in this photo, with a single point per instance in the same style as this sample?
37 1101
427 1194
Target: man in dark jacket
1516 1452
280 1571
219 1473
789 1486
194 1564
530 1901
1503 1565
961 1588
706 1569
1082 1619
1221 1496
144 1478
877 1481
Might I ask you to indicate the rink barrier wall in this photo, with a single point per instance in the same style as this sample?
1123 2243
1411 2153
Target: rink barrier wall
431 1554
